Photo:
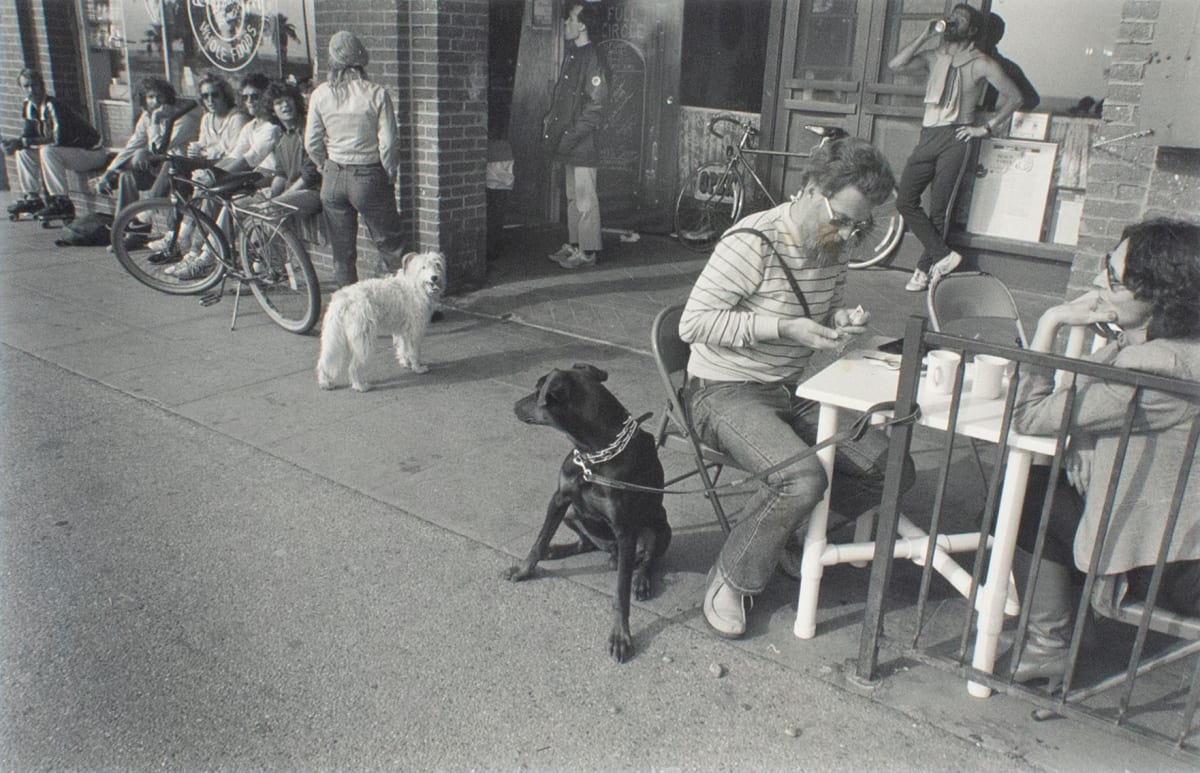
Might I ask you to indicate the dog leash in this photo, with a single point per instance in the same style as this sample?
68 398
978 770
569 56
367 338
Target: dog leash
854 432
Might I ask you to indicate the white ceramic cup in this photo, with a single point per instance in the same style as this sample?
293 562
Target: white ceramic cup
989 376
940 373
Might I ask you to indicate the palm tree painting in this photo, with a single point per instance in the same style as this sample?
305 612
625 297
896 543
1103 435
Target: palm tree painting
279 30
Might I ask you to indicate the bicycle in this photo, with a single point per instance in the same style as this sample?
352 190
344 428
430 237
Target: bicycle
150 235
714 194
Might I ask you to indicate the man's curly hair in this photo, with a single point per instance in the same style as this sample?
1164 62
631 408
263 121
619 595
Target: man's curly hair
1162 267
166 91
851 161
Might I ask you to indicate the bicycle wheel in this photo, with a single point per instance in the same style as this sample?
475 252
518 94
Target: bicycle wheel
882 240
708 204
138 235
281 276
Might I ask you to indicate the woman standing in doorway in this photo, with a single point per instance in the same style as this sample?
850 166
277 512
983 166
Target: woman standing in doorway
351 136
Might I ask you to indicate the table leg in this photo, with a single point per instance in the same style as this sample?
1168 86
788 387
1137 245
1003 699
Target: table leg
811 568
995 589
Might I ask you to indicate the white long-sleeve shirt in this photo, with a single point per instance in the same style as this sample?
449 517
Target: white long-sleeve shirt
218 134
358 129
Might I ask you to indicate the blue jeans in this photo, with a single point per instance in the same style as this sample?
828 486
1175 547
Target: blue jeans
348 191
761 425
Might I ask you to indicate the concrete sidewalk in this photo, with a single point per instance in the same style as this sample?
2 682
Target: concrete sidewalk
444 448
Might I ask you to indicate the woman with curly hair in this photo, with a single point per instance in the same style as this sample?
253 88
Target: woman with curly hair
167 125
1150 288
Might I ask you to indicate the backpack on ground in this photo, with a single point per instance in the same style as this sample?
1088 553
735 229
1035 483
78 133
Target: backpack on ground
92 230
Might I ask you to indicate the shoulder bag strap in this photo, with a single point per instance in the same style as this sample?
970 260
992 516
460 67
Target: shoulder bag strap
787 272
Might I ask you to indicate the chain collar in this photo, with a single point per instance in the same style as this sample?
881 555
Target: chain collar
611 451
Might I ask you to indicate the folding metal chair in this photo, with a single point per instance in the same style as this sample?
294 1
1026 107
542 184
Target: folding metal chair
675 428
977 305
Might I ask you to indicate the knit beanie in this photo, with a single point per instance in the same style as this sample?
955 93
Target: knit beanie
345 50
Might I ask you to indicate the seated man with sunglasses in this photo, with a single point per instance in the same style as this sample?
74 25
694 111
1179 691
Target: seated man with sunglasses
771 295
254 145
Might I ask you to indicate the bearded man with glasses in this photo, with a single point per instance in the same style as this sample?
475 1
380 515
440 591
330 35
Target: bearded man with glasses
770 296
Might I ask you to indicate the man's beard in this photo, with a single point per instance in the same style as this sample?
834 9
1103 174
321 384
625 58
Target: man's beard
824 244
956 35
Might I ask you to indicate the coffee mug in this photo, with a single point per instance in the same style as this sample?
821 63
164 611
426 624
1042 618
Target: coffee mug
942 363
989 376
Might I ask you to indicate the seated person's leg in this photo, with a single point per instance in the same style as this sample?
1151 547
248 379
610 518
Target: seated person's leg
29 180
747 422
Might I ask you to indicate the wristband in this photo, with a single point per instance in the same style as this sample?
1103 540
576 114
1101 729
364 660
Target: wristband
987 128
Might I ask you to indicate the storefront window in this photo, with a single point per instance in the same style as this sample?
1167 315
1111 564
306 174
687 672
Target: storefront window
724 53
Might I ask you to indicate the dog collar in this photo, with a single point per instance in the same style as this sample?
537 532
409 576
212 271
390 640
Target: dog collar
612 450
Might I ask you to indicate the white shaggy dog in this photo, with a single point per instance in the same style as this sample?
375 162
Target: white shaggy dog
398 305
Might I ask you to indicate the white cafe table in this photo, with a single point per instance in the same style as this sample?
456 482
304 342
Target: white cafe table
855 383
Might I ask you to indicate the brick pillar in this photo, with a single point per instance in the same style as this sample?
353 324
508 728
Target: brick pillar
449 42
1130 178
432 57
58 43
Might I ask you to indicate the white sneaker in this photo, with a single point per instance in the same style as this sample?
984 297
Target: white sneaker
160 245
945 266
918 282
563 252
580 259
194 266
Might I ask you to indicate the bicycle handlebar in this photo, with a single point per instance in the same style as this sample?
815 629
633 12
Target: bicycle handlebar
745 126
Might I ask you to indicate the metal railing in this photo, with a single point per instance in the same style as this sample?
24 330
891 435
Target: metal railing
1160 711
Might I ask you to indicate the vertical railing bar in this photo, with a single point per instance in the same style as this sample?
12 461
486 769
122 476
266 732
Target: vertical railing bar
988 521
1168 536
939 497
1039 544
1189 711
1106 514
889 509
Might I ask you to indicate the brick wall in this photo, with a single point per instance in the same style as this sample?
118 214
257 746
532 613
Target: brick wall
432 58
12 58
1130 178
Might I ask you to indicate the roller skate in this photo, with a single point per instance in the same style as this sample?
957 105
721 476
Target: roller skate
57 208
28 205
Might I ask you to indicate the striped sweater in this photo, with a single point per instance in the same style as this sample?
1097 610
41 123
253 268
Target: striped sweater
732 315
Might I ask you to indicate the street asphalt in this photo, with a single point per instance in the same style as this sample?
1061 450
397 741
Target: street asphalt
207 563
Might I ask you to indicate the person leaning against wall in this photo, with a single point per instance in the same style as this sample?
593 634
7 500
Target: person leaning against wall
351 137
569 132
957 72
55 139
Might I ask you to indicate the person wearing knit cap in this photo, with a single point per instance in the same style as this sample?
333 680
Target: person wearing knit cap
351 137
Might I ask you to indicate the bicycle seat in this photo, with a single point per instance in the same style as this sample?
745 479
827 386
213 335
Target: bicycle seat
233 184
828 132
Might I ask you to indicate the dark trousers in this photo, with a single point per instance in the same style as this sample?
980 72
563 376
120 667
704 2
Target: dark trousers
936 163
1180 591
348 191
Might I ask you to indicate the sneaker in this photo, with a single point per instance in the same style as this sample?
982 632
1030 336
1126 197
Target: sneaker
945 266
724 608
918 282
159 245
194 266
188 258
580 259
563 252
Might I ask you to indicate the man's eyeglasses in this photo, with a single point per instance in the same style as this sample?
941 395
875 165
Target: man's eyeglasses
209 94
857 228
1111 278
250 96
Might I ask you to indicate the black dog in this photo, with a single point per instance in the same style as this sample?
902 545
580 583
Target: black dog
630 525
